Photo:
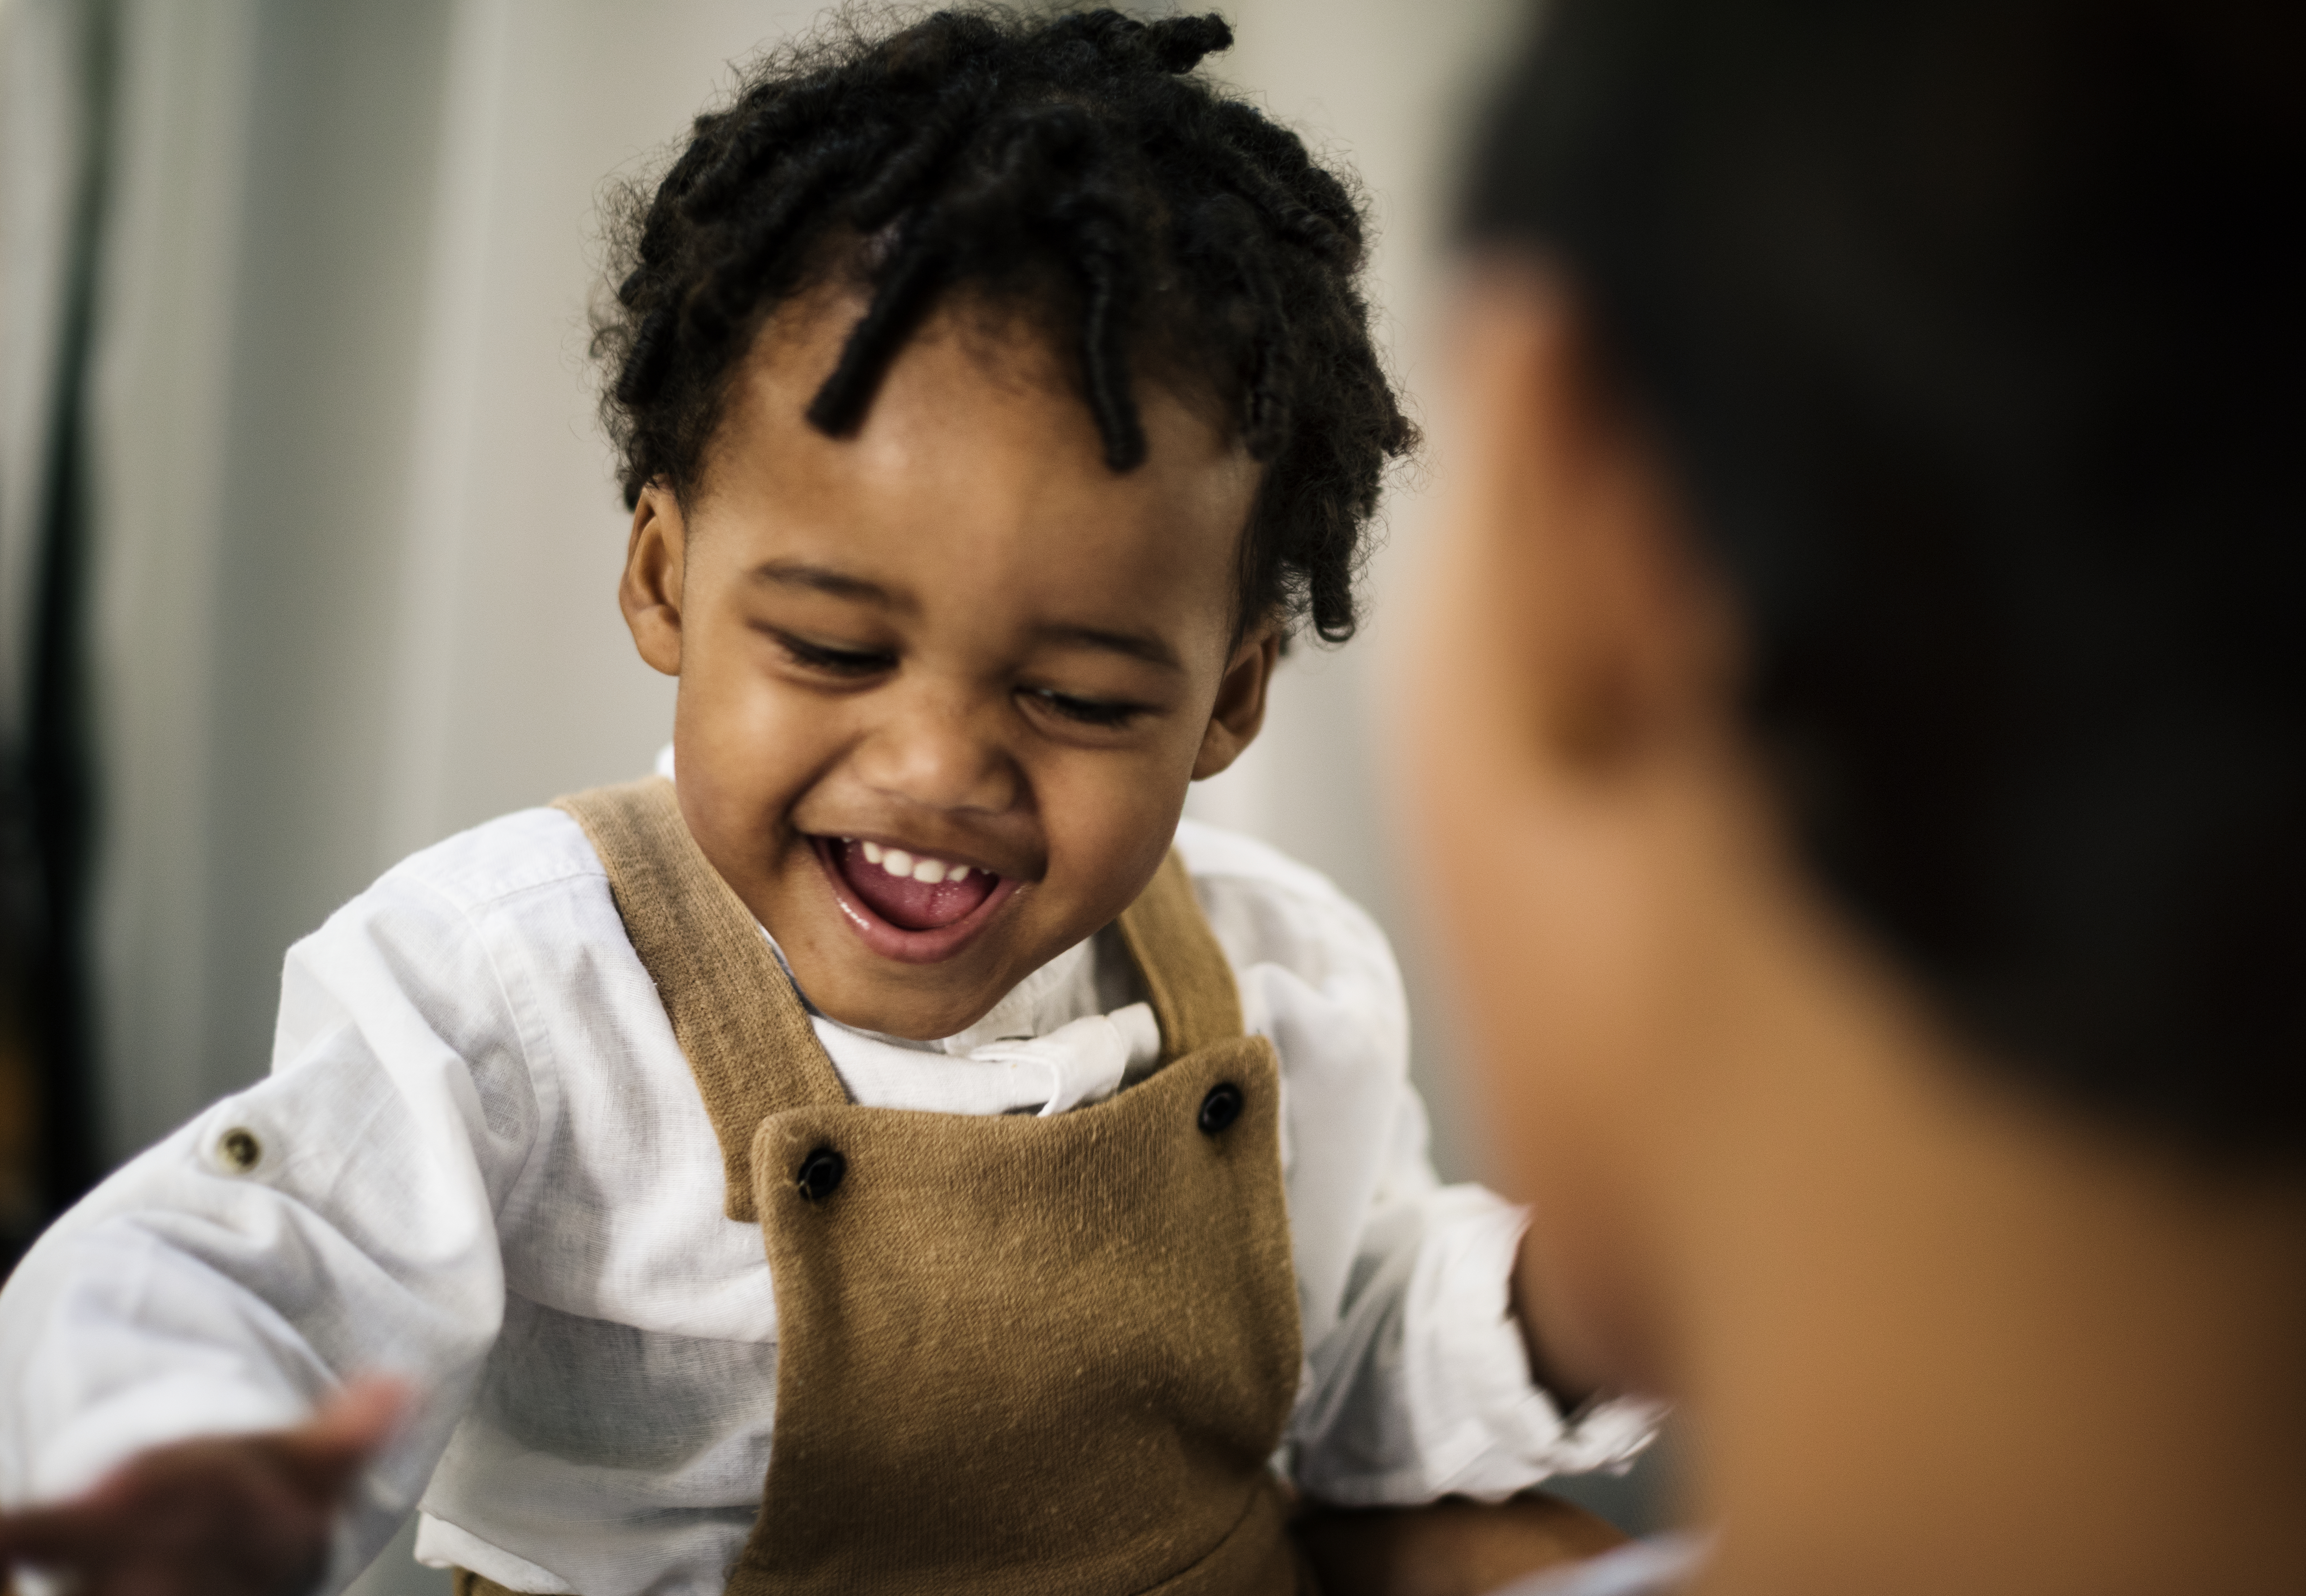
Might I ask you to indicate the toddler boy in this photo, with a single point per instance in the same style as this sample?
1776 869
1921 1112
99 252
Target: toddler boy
891 1100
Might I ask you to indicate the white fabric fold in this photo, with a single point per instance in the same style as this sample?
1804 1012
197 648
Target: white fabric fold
1082 1062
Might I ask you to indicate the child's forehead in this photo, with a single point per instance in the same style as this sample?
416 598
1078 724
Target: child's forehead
978 452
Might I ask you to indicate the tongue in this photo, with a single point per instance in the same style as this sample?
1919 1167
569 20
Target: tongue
904 902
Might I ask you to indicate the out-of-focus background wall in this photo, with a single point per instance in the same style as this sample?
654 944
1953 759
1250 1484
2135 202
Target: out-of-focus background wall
308 539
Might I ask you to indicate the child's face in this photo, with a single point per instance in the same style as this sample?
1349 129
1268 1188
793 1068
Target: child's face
956 644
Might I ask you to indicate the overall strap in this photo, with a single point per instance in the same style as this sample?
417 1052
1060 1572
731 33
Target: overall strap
1185 970
732 1007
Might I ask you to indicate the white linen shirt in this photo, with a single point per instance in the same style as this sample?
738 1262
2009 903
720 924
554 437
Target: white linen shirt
482 1164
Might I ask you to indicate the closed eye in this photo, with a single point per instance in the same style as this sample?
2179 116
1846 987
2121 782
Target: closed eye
848 663
1085 712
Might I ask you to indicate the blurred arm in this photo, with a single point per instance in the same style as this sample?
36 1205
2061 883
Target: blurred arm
1418 1380
336 1219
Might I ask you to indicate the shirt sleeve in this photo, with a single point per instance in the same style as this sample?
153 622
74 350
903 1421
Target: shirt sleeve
1422 1389
336 1219
1416 1382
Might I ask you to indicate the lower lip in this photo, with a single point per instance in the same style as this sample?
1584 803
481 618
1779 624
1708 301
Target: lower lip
894 941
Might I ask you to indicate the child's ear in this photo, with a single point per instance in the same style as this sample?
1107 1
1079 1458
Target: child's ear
1239 708
650 590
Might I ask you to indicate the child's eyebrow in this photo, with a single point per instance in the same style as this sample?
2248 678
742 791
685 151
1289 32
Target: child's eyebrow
1137 645
818 578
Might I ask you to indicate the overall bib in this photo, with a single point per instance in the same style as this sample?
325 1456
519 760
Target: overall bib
1015 1354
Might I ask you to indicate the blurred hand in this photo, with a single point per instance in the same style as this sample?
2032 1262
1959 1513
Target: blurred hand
242 1515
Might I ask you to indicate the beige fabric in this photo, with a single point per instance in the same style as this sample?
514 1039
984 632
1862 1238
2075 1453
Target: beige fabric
1015 1354
1185 970
733 1012
1080 1333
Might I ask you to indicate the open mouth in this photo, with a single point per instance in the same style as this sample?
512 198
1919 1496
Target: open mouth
909 906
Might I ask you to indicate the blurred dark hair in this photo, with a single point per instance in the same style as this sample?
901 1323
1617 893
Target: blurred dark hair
1066 165
1972 327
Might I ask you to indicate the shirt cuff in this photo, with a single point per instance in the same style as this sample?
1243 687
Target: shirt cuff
1441 1400
1465 1345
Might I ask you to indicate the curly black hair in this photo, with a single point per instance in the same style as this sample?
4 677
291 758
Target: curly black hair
1069 164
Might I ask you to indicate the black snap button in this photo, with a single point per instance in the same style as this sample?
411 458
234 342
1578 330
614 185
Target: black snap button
819 1175
1220 1108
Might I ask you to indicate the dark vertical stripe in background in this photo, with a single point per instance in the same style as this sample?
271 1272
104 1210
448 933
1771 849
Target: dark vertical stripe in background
47 1141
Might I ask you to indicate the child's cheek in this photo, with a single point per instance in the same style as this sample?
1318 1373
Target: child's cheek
1110 817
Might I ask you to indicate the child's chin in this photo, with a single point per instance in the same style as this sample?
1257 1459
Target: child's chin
900 1003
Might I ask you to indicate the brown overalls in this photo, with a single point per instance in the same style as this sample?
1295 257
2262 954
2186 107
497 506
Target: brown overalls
1015 1354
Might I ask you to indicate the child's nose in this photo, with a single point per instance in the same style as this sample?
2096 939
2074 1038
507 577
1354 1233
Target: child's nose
941 752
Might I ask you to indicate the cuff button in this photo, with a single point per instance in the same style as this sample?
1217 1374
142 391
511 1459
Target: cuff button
240 1149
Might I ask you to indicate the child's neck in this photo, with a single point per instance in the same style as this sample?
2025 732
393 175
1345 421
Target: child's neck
1064 988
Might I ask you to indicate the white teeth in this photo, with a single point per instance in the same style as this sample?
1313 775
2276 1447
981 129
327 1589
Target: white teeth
919 867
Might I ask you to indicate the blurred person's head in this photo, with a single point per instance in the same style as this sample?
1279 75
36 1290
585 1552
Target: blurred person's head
1862 758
